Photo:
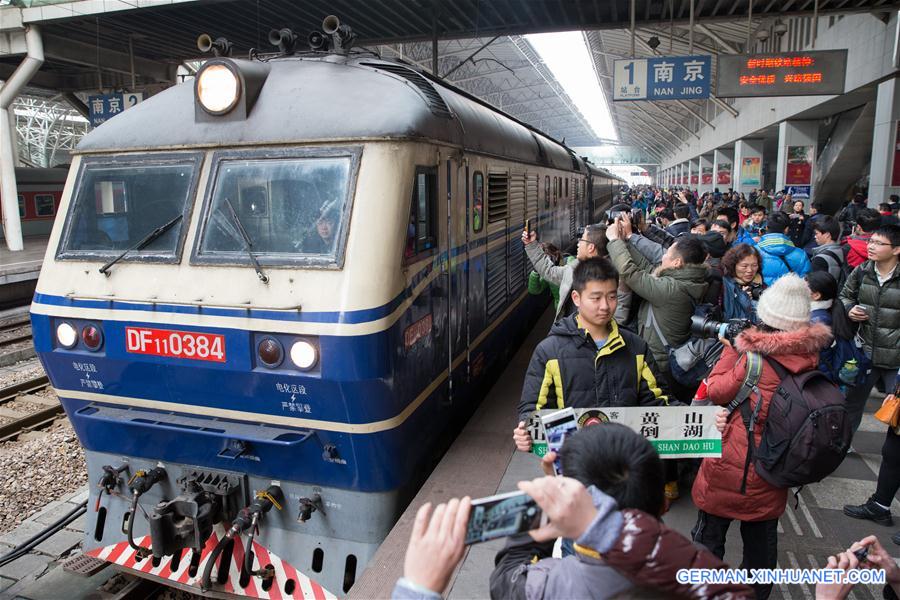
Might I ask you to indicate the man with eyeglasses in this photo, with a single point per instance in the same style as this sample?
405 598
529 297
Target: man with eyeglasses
591 243
871 296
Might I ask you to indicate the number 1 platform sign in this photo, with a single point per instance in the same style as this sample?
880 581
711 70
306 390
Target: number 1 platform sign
662 78
675 431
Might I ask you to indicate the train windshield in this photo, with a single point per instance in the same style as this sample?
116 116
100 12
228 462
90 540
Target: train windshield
292 210
120 202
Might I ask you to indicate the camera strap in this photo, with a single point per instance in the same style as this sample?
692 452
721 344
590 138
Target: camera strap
751 380
748 387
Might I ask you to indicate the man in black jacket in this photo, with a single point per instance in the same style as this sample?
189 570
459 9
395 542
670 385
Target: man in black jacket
587 361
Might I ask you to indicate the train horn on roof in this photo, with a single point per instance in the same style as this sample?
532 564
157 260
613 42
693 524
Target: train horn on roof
219 46
342 37
285 39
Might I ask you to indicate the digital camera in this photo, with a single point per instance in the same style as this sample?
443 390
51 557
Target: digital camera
708 327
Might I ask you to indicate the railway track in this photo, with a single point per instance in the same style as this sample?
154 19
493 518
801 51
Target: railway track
21 422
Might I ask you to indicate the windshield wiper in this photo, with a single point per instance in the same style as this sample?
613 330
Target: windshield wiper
247 242
153 235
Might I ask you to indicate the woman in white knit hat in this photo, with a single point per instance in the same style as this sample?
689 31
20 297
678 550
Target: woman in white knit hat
786 336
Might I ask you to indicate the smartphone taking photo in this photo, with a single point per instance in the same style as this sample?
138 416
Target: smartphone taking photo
502 515
557 426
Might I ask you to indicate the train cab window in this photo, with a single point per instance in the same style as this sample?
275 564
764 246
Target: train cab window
546 191
120 202
421 232
44 205
21 200
292 208
477 201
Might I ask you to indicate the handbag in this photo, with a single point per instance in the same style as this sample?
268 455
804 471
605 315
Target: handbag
890 411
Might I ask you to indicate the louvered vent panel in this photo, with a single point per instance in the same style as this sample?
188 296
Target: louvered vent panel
496 281
498 197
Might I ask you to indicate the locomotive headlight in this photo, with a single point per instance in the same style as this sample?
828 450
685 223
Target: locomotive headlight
304 355
218 88
66 335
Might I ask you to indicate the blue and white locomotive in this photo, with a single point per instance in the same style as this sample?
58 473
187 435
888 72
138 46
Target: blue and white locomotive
271 292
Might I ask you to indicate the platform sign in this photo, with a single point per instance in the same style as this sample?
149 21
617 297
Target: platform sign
675 431
103 107
662 78
819 72
706 176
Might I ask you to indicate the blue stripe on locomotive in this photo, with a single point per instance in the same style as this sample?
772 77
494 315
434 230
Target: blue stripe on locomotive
364 379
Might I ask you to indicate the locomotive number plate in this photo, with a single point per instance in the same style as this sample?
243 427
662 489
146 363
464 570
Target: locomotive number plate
175 344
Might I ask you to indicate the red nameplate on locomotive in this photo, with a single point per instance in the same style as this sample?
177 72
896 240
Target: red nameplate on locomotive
175 344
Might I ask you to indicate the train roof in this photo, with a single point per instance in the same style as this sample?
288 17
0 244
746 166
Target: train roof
339 98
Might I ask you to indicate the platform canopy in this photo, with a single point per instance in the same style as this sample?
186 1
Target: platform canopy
137 45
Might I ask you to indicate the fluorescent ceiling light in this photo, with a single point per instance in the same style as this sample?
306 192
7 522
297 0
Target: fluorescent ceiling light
567 56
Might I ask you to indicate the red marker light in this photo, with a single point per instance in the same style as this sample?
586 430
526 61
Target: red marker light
270 352
92 337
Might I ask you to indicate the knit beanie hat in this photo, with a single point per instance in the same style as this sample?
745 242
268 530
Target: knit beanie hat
784 305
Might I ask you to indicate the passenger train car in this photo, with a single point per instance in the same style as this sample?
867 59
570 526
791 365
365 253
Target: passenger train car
268 296
40 191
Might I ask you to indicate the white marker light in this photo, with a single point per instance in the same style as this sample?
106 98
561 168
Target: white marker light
218 89
66 335
304 355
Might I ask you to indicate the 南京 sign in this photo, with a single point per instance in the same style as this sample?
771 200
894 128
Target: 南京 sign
784 74
103 107
662 78
675 431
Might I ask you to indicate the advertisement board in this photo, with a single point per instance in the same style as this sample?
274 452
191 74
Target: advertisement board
750 170
798 170
723 176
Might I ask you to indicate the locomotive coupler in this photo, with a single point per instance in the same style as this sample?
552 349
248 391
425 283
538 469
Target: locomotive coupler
308 506
186 521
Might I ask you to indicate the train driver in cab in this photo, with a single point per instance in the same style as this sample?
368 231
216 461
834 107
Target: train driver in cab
588 361
321 239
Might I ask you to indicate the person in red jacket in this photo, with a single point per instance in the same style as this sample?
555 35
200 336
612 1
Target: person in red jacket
867 221
786 336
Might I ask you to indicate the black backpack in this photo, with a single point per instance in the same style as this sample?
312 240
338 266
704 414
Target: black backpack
807 431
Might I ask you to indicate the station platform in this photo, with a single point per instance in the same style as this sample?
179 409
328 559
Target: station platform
19 270
483 461
24 265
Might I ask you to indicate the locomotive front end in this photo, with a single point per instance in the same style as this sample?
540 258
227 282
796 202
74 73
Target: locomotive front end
227 367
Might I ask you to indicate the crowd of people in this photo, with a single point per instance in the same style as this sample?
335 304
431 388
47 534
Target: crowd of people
806 292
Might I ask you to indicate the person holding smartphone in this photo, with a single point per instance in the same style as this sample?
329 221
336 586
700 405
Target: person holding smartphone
871 296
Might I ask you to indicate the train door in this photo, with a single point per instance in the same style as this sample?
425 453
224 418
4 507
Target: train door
457 274
477 256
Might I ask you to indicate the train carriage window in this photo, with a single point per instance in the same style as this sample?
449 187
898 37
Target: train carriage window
44 205
477 201
421 233
120 201
546 191
294 209
21 200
